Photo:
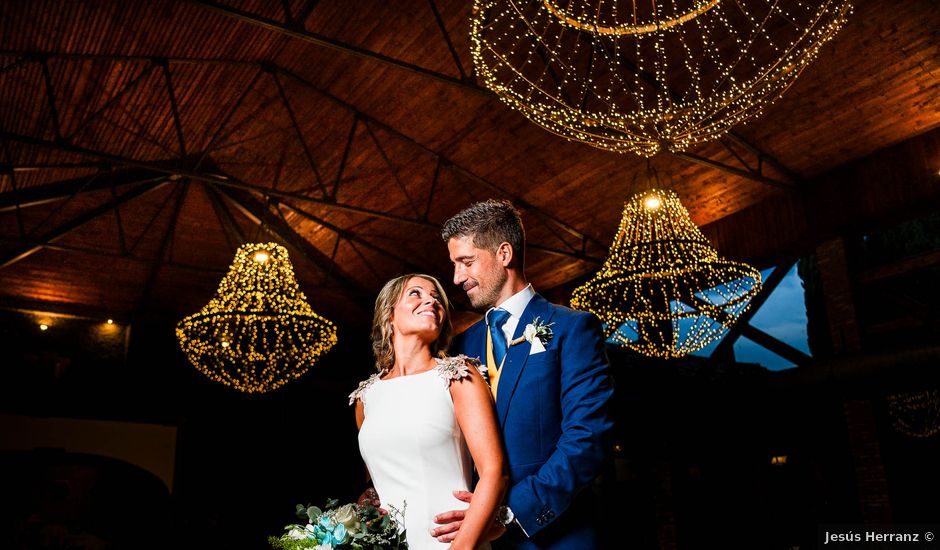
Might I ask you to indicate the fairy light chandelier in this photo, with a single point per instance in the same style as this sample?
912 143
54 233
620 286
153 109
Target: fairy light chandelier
258 332
663 290
643 76
916 414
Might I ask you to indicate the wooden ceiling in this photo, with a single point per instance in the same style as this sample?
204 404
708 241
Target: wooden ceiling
142 140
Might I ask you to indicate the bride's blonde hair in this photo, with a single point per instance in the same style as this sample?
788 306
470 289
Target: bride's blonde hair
382 320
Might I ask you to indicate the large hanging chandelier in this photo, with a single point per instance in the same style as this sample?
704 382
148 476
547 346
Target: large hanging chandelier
663 290
641 76
258 332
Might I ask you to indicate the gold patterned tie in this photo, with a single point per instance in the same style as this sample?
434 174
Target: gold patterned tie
496 347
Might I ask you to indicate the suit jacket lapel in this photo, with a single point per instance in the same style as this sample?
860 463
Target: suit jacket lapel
517 355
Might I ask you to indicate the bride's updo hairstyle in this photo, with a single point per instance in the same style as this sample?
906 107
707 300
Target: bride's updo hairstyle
382 320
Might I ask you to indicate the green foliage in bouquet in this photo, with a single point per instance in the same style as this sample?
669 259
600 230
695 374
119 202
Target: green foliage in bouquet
346 527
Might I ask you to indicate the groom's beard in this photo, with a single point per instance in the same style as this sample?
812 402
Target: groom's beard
489 293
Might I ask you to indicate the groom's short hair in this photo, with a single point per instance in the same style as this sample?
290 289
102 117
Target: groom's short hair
489 224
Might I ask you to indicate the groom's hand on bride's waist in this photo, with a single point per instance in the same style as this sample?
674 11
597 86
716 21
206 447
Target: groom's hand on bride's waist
450 522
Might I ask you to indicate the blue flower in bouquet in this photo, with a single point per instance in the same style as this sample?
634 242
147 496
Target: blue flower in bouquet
329 532
343 528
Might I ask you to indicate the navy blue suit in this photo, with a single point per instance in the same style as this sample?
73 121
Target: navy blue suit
552 409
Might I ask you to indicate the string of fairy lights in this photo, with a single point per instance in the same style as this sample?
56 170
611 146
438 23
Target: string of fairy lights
916 414
663 290
646 76
258 332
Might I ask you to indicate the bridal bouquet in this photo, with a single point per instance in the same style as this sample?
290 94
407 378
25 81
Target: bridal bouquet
346 527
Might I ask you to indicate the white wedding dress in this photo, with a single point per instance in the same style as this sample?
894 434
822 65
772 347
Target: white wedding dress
413 447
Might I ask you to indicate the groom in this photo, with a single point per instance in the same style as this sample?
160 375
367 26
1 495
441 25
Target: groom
551 388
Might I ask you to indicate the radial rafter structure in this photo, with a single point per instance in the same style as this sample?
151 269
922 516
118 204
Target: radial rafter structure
649 75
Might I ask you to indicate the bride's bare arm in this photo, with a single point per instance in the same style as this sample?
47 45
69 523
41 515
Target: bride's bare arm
476 416
360 414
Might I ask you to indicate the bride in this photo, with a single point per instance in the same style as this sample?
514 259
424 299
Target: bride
424 415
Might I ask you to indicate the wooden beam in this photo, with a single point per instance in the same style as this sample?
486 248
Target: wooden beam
51 236
747 174
327 42
51 192
900 267
725 348
230 182
259 213
446 35
300 134
891 185
165 245
352 237
782 349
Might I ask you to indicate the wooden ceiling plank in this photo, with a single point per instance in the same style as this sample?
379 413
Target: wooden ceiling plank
694 158
122 240
225 217
450 43
129 257
228 116
38 55
434 180
391 168
230 182
288 15
21 60
741 159
50 97
21 230
50 192
691 157
301 20
62 230
324 41
763 155
174 106
353 237
111 102
378 278
59 207
300 134
345 158
165 243
153 219
258 212
453 165
176 169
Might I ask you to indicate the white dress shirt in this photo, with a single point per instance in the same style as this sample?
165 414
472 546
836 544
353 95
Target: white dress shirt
515 305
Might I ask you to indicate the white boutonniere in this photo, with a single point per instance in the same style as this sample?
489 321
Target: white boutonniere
537 333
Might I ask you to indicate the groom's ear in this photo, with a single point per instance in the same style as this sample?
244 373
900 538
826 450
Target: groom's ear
504 254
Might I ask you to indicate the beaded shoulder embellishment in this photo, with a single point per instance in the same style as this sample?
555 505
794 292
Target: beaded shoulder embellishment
356 395
458 368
